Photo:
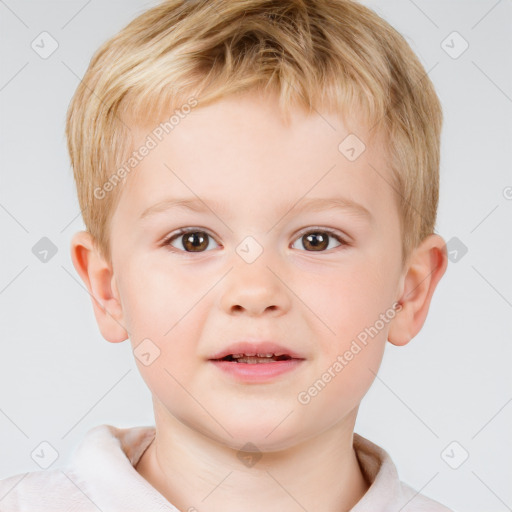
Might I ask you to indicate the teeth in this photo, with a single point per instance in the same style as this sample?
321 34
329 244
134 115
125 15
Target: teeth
238 356
255 360
252 358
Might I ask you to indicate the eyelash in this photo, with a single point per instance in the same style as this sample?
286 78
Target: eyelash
167 241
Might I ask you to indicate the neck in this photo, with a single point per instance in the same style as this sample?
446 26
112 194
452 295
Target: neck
194 472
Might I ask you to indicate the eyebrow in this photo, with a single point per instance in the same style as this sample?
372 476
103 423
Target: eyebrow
311 204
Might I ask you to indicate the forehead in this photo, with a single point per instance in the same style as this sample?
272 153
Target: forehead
242 149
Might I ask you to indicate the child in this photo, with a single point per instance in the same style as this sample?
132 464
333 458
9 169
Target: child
259 181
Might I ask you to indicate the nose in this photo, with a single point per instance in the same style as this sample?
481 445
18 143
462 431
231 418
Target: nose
253 289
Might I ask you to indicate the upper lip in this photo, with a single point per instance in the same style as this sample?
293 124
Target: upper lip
254 348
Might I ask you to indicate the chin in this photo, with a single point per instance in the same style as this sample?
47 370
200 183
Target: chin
263 435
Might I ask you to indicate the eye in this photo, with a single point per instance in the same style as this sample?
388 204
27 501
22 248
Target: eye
191 240
318 239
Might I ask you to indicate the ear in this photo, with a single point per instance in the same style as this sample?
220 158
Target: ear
97 275
425 267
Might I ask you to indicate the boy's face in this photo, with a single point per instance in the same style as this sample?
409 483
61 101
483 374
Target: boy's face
256 176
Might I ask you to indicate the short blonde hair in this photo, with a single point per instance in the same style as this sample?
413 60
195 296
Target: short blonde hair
333 54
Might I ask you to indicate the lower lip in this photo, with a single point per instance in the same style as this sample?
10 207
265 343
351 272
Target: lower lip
257 372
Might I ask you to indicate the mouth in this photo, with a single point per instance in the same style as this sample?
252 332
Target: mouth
254 359
256 362
254 352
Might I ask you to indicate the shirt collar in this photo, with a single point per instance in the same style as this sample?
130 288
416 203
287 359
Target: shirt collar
103 468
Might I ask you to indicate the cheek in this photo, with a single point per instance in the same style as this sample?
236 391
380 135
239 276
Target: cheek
348 299
156 296
352 342
161 310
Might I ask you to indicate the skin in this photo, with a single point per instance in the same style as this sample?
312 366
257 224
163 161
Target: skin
239 154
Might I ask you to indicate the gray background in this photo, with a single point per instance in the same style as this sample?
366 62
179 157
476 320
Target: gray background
59 378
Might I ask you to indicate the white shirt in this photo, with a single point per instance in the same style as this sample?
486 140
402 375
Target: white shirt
101 477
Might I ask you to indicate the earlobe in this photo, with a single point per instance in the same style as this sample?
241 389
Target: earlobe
426 266
97 275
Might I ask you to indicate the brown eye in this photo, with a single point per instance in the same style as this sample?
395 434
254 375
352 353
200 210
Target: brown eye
191 241
315 241
195 242
319 240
